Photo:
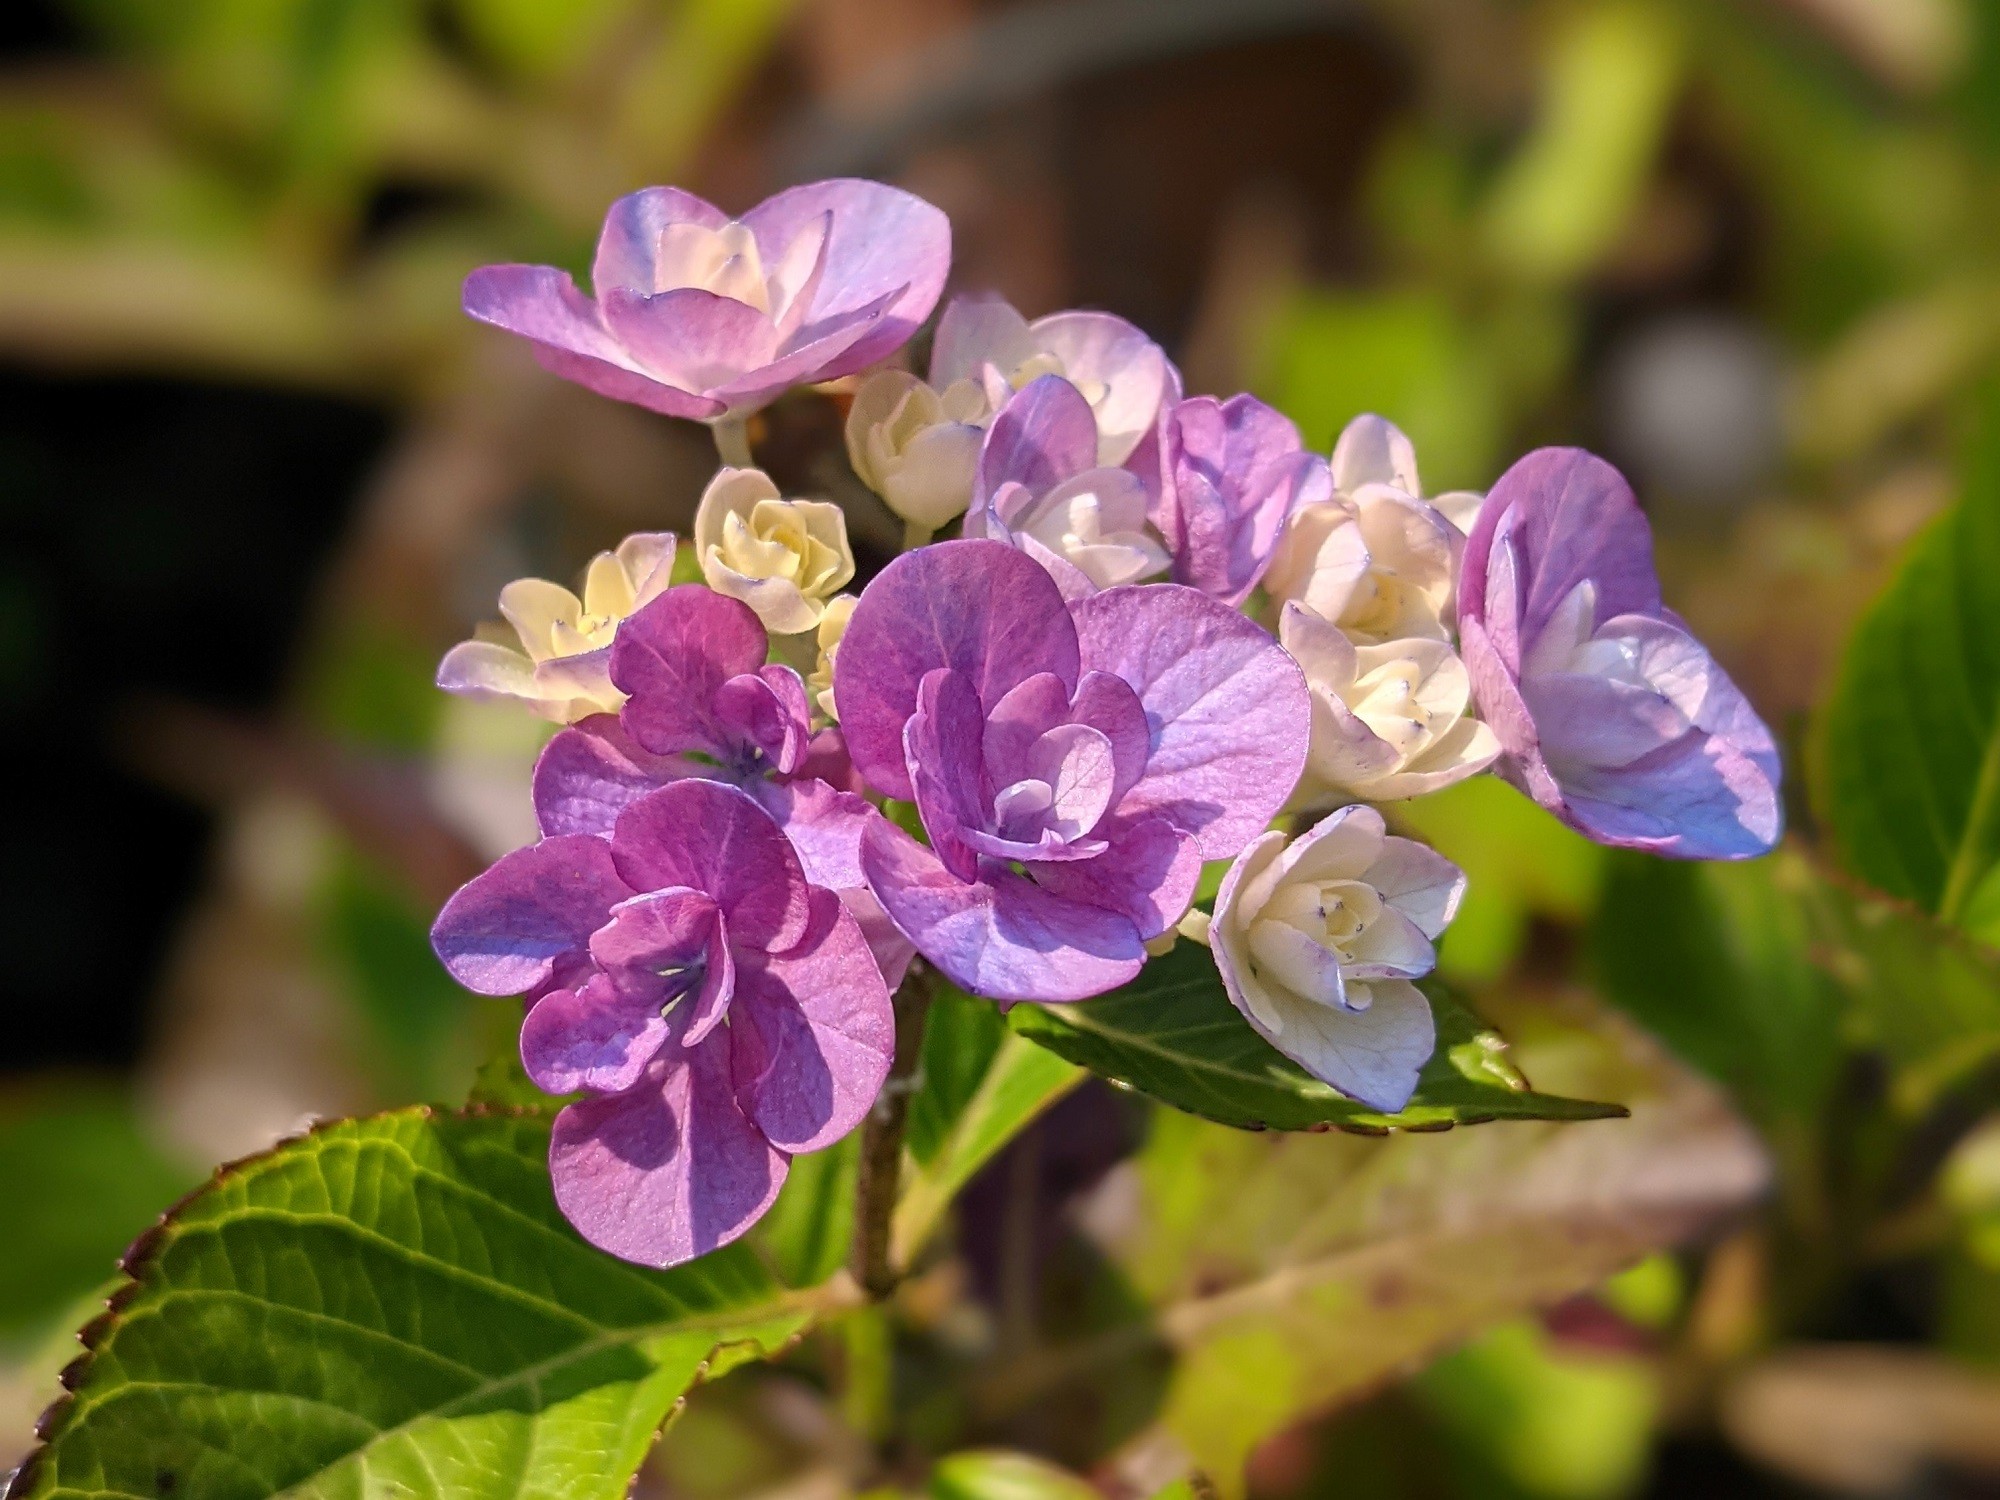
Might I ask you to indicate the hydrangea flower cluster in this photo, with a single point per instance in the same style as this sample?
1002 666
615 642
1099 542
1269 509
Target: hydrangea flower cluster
1165 635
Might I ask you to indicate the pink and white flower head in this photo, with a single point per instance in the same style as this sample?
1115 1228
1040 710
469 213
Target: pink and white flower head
697 315
1041 487
1317 939
722 1012
1610 714
1123 375
1231 472
1073 763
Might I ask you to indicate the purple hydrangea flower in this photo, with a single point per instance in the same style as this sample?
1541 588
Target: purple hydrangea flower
696 315
1073 764
1610 714
722 1013
1040 486
703 704
1231 472
1123 375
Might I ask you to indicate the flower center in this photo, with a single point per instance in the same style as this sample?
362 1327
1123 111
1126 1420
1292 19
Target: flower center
1308 931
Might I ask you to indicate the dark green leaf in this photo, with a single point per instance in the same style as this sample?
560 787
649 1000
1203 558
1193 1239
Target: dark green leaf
1716 960
393 1306
1173 1034
1907 756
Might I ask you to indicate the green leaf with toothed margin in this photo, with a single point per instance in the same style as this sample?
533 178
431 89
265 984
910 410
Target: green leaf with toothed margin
1172 1034
393 1306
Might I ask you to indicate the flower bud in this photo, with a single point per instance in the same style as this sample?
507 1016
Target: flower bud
832 626
783 558
915 448
554 653
1389 721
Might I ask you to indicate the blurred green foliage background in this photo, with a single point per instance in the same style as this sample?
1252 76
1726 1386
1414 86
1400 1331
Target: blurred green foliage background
257 472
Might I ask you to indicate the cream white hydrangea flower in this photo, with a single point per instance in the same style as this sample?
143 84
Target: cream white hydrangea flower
1317 939
1388 721
783 558
832 626
1374 559
914 447
554 653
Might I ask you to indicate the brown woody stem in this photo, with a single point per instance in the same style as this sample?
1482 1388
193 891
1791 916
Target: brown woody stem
882 1142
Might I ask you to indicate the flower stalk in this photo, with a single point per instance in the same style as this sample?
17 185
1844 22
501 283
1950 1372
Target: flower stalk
882 1141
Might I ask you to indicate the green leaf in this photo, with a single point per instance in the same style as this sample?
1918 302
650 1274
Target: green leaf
1173 1034
1016 1082
1716 960
79 1178
1327 1263
1908 747
807 1233
997 1474
393 1306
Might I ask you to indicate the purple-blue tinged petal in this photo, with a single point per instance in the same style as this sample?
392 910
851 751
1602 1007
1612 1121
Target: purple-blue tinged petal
1230 473
628 248
543 305
941 749
1229 712
711 837
589 773
595 1037
812 1032
1001 935
670 948
880 242
1043 435
980 608
670 1169
1609 713
1148 873
767 710
688 337
672 658
528 918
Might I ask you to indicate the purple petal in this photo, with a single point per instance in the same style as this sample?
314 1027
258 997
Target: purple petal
1101 349
880 240
598 1037
655 943
973 329
629 246
542 304
1148 874
589 773
711 837
767 710
689 337
812 1033
1567 517
1043 435
1003 936
977 607
1229 712
823 824
1233 472
672 658
941 744
1029 710
529 916
817 352
669 1170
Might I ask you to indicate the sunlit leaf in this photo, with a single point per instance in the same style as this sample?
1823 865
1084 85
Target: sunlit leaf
1324 1263
393 1305
1172 1034
807 1234
997 1474
1908 747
